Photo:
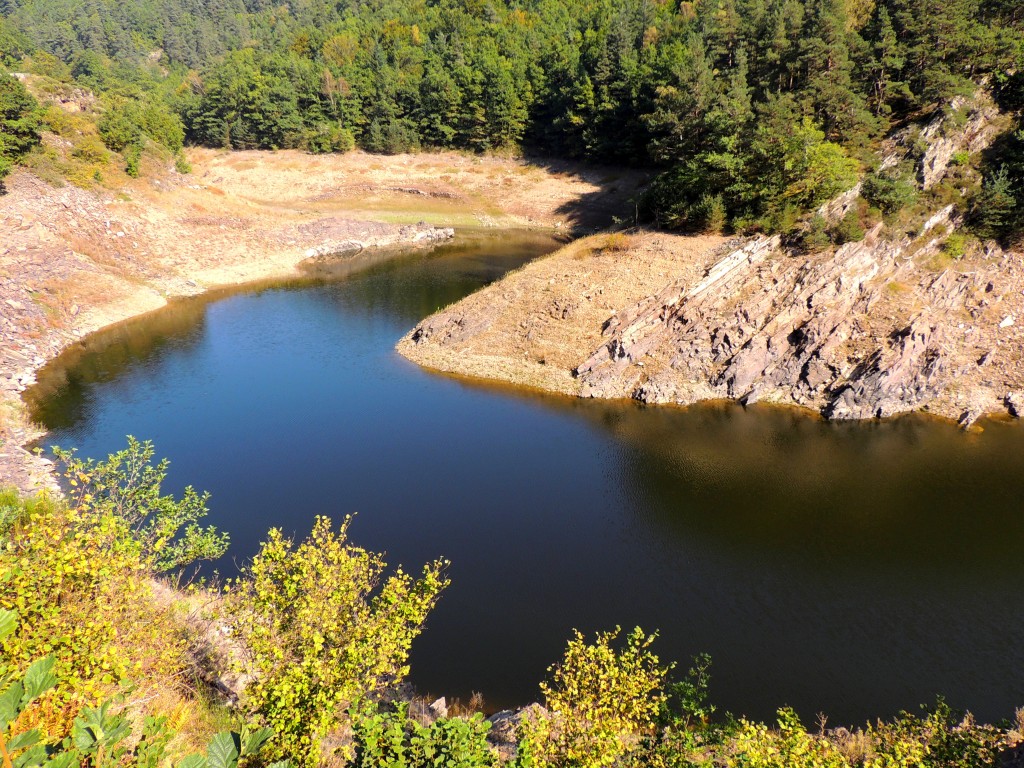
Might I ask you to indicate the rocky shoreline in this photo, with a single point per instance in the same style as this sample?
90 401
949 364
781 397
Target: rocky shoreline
864 331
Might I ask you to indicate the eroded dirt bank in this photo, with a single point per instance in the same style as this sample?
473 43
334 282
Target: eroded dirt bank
870 329
74 260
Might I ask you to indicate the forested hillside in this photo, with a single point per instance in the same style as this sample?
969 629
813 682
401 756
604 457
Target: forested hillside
756 110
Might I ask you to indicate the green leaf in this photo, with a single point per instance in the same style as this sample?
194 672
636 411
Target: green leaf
39 678
222 752
254 741
8 622
23 740
35 756
194 761
83 734
64 760
282 764
10 704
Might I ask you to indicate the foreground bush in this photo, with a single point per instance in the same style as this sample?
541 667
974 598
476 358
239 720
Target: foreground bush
392 738
323 630
102 736
127 489
78 573
600 702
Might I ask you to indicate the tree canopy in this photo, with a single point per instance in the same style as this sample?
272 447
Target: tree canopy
751 108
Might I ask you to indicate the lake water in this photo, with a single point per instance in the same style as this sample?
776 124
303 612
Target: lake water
850 569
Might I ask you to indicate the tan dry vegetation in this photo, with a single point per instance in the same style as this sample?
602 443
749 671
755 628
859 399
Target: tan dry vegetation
443 188
535 325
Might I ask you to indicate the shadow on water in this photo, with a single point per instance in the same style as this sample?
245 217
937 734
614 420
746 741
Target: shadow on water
854 569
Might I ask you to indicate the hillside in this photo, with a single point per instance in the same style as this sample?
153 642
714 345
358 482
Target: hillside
751 112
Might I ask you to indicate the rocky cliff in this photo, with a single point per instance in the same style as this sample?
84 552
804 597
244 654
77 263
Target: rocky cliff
860 332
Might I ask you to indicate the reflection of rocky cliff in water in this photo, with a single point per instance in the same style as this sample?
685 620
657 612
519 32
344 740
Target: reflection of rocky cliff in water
911 495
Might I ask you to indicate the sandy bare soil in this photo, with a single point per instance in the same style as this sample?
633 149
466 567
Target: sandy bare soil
75 260
442 188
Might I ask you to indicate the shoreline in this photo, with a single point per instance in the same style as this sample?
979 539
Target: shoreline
75 261
680 320
144 301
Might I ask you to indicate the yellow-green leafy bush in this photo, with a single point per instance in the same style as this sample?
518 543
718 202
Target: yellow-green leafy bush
600 700
127 487
80 588
757 746
323 629
78 572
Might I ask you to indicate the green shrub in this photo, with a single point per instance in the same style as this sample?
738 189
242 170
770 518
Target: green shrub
686 735
181 163
887 192
601 702
132 160
128 486
813 236
757 746
90 149
78 574
848 229
127 123
997 208
120 126
328 138
941 738
391 738
709 215
323 631
955 246
391 138
80 587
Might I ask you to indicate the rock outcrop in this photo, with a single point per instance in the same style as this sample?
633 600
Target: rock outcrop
858 333
505 728
336 236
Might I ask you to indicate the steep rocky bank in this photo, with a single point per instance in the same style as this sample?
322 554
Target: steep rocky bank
870 329
862 332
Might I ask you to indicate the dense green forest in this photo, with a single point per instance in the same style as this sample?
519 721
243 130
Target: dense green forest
754 110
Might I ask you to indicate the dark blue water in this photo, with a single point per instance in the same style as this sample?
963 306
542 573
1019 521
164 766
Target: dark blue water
849 569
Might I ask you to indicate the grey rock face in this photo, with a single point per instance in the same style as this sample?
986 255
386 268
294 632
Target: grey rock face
762 325
505 728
